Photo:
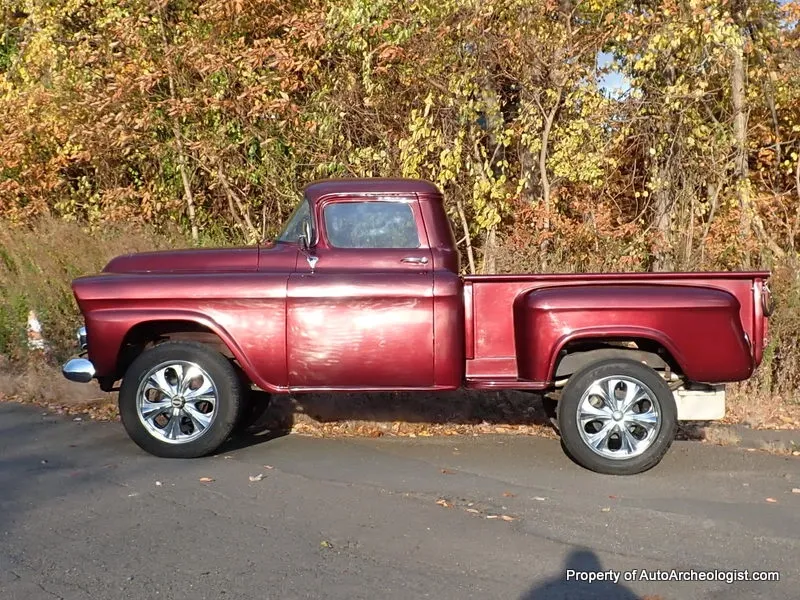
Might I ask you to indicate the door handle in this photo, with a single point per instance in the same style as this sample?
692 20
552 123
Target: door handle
418 260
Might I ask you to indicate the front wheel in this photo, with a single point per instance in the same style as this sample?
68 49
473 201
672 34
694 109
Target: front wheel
180 400
617 416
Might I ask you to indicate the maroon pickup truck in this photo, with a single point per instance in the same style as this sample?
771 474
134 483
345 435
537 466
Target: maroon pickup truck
362 292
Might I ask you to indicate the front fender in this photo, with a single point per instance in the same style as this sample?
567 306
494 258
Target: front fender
700 327
107 329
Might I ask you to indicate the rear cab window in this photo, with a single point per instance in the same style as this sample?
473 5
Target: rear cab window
371 224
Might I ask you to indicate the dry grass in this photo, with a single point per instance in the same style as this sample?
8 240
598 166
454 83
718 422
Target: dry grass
722 436
42 384
37 265
775 448
753 404
463 412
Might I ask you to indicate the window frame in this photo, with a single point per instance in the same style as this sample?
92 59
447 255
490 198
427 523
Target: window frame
295 213
410 202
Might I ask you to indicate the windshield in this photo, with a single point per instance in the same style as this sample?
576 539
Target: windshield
294 227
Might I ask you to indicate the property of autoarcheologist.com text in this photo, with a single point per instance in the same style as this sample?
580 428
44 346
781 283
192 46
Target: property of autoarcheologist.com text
611 576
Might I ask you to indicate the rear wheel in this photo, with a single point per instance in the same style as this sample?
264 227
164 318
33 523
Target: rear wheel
617 417
180 400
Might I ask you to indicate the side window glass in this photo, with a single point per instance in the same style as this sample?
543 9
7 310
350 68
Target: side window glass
294 226
376 224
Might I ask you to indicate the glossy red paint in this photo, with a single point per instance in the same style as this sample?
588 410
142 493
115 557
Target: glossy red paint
402 319
640 311
247 311
176 261
548 319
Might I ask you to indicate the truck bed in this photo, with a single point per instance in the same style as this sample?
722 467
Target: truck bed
496 344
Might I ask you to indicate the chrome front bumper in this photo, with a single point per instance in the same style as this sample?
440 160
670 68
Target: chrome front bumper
79 369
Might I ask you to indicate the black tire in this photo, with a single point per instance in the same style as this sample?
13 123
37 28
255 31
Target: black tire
229 391
579 450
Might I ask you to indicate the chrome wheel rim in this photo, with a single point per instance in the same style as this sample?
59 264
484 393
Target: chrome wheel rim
177 402
619 417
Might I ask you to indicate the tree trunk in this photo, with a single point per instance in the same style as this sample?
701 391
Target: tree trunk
528 170
187 187
738 92
490 251
188 196
549 119
662 221
749 218
712 194
467 238
249 230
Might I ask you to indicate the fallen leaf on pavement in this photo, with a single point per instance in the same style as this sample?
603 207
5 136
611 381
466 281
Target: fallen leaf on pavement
325 544
443 502
472 510
447 472
508 495
258 477
506 518
771 500
206 480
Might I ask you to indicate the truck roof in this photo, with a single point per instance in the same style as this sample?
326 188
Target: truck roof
371 185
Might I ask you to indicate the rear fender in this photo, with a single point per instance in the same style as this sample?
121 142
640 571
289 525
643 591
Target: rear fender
699 327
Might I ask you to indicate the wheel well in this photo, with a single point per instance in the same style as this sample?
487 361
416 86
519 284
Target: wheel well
151 333
580 353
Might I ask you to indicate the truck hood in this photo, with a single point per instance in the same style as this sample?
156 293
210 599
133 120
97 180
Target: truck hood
186 261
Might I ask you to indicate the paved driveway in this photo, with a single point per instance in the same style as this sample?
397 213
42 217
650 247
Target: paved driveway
85 515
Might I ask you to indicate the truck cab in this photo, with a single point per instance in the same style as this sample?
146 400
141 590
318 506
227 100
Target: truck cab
377 276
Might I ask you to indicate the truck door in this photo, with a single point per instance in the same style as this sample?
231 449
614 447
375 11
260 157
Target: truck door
362 317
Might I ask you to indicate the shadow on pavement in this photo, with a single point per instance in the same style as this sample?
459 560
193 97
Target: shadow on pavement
272 416
449 407
568 585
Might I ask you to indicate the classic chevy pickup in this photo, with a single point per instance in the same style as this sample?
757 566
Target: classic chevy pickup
362 292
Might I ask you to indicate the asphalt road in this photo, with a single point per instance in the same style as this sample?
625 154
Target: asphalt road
84 514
